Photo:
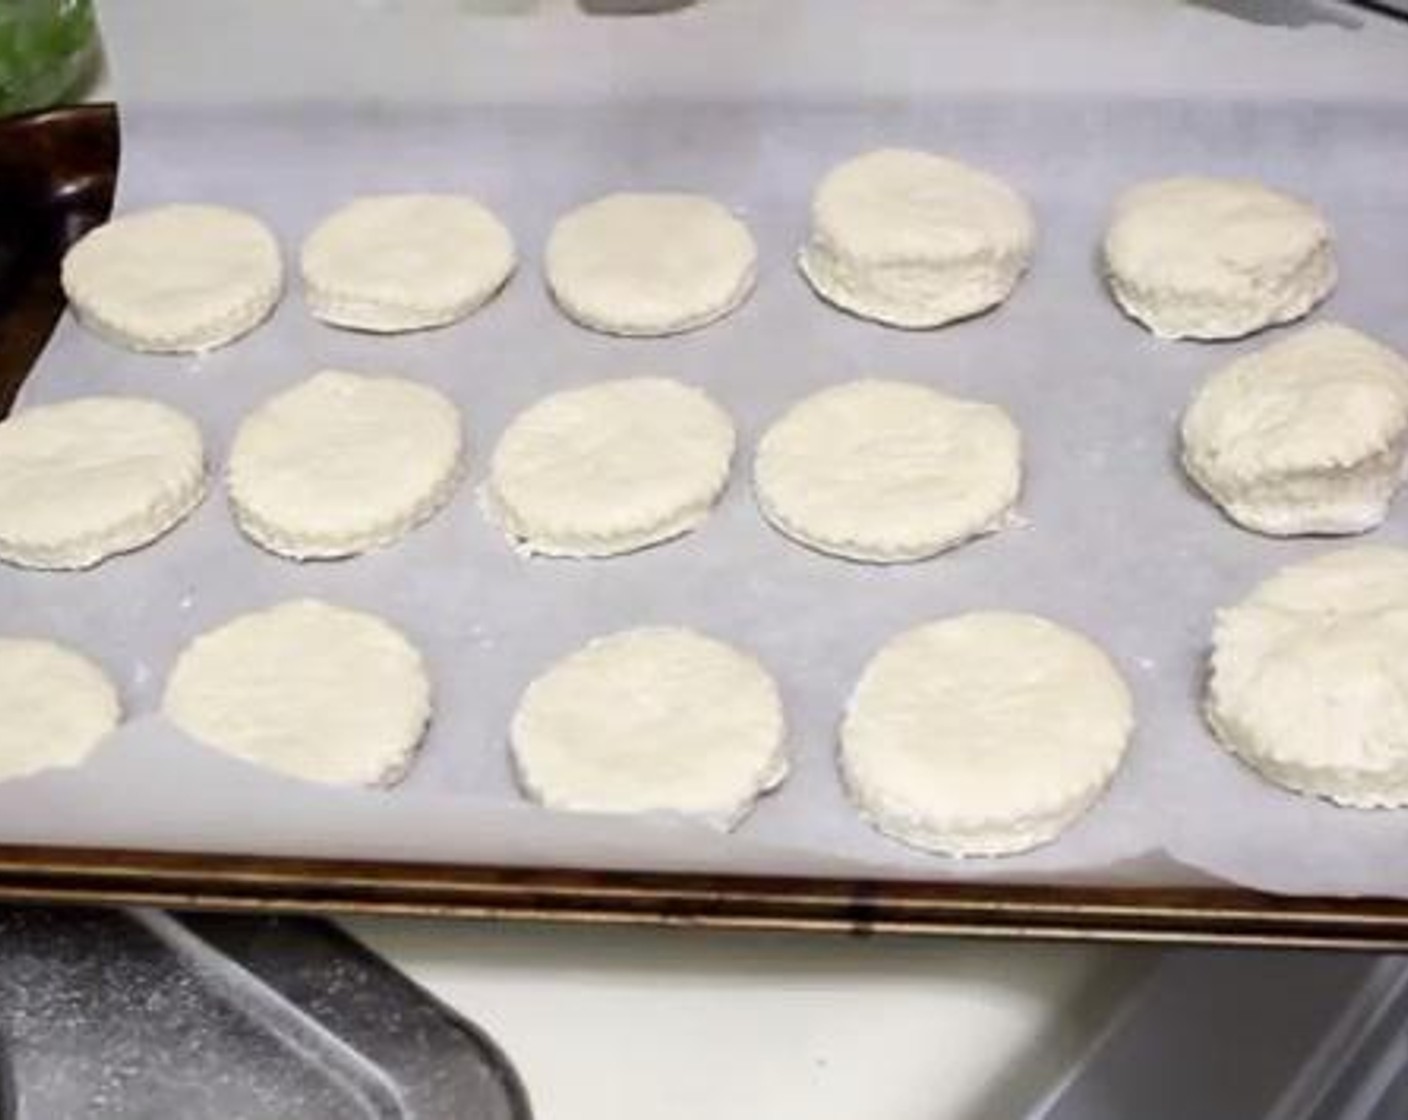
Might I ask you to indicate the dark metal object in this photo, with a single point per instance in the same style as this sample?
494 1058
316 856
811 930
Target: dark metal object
134 1015
632 7
1318 1037
57 173
58 170
1394 9
1292 14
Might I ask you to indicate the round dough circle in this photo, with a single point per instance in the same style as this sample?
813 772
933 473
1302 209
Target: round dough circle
914 239
342 463
175 279
1216 258
655 719
404 262
307 689
650 264
610 468
58 706
89 478
983 734
1305 436
1309 675
888 471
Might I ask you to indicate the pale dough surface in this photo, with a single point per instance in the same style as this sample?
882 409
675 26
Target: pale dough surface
655 719
983 734
307 689
888 471
1304 436
610 468
56 704
343 462
914 239
650 264
1309 681
86 479
176 278
1193 257
405 262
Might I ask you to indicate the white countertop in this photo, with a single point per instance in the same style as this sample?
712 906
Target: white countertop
450 50
698 1025
630 1024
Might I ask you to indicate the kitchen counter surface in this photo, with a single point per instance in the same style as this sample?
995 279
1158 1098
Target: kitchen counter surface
696 1025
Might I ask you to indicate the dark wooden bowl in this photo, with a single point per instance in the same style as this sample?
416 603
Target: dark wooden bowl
58 169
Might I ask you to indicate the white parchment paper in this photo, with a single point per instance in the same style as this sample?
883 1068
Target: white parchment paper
1117 545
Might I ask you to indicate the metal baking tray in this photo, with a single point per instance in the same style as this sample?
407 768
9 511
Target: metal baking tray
130 1015
57 174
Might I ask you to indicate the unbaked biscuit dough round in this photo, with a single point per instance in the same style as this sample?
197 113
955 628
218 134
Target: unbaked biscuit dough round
307 689
342 463
56 704
914 239
610 468
983 734
1305 436
1310 674
405 262
177 278
655 719
650 264
1193 257
888 471
86 479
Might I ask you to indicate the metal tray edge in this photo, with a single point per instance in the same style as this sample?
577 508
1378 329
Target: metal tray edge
203 881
